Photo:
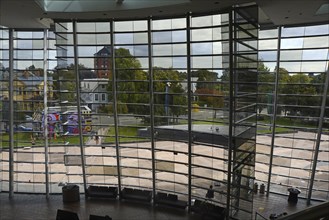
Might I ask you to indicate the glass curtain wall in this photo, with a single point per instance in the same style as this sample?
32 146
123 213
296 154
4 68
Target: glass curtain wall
161 104
297 59
66 109
131 82
95 68
4 85
242 106
209 59
31 80
99 116
292 77
170 78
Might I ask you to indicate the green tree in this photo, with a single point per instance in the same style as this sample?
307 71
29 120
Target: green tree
210 97
266 81
206 79
131 82
179 100
318 82
299 95
174 93
64 82
133 87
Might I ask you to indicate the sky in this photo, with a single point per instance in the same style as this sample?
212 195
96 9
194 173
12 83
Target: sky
177 45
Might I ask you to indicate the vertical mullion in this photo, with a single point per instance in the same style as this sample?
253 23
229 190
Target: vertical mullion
11 112
151 99
318 138
274 111
115 107
189 107
77 81
45 100
231 100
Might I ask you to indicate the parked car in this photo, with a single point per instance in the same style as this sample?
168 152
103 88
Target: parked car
20 128
28 118
23 128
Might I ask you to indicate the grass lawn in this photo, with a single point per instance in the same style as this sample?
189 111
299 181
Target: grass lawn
23 139
218 122
131 132
266 130
283 122
288 122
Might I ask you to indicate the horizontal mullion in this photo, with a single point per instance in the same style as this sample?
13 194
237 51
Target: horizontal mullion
132 44
303 36
203 178
170 151
247 106
92 45
170 161
193 166
137 177
301 61
210 157
129 32
166 43
168 171
208 26
246 45
246 31
89 33
208 41
210 55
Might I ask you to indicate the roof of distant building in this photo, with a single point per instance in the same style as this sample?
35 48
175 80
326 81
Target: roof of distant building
92 84
105 51
31 81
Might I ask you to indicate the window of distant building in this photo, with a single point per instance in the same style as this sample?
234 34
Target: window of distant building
96 97
103 96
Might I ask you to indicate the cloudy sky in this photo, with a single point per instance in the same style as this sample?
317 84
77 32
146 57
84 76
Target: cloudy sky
208 54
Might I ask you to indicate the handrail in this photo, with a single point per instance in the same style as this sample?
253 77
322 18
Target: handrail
258 216
314 212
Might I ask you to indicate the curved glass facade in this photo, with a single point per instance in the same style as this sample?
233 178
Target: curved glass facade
292 139
168 105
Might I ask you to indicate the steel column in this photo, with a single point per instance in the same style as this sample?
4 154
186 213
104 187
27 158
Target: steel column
231 116
11 113
45 111
274 111
77 81
318 138
115 107
151 93
189 108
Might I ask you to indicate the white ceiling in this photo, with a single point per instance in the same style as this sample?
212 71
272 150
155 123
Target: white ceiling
31 13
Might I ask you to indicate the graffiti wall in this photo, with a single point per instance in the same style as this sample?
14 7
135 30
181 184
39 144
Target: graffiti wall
68 124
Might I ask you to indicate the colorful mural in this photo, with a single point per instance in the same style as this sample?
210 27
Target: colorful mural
67 123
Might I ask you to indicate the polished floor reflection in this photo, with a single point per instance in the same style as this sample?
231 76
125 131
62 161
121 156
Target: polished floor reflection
37 207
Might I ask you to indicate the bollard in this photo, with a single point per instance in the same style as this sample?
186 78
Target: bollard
262 189
255 187
71 193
